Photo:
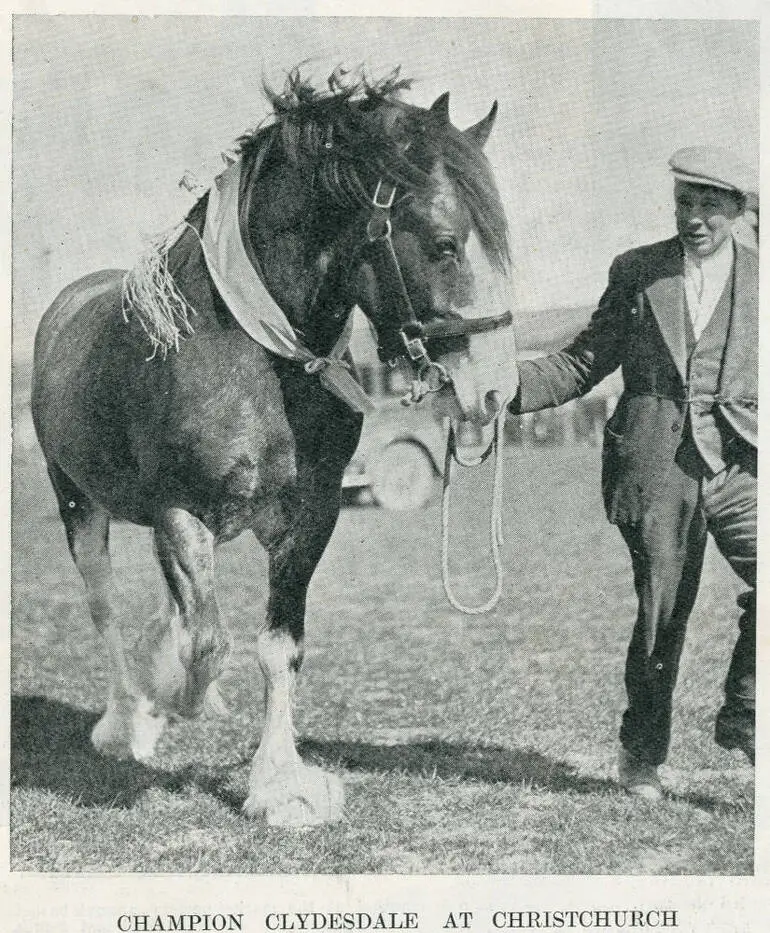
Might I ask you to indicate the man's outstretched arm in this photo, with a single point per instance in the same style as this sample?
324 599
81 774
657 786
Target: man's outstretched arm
552 380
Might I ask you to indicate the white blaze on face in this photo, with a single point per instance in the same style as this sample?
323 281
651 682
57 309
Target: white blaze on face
484 377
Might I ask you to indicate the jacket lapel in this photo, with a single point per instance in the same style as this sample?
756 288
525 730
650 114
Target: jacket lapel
739 369
666 297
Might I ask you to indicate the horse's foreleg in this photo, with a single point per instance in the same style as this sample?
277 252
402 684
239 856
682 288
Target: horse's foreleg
185 650
286 791
128 727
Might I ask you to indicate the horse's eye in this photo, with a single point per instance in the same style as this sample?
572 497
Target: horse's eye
446 248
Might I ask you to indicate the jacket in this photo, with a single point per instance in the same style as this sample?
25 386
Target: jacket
639 325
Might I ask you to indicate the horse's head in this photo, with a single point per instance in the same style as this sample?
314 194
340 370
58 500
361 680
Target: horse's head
434 270
405 222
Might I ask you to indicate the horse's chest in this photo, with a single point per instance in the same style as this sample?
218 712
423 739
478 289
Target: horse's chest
238 445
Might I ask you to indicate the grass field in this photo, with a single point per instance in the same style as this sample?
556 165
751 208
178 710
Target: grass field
467 744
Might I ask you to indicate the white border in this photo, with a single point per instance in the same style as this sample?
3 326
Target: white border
82 904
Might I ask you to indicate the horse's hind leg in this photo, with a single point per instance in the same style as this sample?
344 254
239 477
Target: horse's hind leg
128 727
281 786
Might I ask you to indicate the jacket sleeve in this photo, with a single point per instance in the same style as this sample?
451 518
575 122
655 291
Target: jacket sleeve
552 380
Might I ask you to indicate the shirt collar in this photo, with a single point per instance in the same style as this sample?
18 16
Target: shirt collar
719 262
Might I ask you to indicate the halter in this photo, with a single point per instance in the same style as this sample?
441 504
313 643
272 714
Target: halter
412 333
430 377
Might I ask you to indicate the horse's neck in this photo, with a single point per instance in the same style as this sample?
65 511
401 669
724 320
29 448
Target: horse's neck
293 253
280 228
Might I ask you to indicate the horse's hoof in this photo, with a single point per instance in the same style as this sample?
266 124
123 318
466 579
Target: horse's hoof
110 737
128 734
146 730
306 797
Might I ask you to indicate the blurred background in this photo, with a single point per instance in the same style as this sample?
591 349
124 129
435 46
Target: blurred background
110 112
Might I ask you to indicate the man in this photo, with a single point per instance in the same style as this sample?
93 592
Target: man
680 451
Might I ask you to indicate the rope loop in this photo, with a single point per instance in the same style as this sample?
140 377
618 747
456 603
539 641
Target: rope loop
497 445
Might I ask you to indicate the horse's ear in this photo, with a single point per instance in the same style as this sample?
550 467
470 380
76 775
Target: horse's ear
480 131
440 106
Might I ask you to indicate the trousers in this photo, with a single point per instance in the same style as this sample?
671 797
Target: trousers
667 548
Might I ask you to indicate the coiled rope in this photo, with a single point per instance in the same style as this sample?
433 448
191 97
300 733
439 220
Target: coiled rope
496 445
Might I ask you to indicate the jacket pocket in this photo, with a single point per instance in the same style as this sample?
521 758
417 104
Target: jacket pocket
615 428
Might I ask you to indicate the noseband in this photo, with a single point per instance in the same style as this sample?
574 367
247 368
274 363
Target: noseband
412 333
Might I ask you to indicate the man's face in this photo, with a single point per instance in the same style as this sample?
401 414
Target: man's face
704 216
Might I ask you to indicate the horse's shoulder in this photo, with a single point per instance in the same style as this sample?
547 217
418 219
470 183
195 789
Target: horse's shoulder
224 398
220 364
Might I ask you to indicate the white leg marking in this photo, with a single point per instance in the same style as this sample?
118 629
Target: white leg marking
128 728
286 791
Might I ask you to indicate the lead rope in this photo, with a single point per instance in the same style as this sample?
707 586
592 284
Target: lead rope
497 445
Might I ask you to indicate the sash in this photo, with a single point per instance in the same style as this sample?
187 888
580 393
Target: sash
253 307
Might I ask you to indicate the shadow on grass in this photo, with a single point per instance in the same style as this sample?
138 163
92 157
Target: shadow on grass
484 764
743 805
51 750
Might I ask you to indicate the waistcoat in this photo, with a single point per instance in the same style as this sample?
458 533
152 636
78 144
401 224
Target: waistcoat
709 432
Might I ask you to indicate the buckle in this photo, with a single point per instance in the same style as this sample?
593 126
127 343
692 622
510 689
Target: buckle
415 348
386 205
378 227
434 376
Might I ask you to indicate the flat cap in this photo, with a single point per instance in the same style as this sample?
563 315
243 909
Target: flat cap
715 167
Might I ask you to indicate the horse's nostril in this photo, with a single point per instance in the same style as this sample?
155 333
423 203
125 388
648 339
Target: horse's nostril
493 403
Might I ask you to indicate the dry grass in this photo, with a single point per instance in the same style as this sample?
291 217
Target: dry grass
468 744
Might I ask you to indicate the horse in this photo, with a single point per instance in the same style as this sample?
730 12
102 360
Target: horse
162 396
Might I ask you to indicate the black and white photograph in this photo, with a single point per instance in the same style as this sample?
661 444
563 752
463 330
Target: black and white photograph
383 494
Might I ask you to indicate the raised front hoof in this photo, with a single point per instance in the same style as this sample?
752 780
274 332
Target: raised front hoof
306 796
130 734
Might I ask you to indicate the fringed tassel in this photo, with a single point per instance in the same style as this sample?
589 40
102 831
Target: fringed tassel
151 296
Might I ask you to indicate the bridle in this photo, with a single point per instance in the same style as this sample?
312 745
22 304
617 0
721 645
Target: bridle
412 333
431 376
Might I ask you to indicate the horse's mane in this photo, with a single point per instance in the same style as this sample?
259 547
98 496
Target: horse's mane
333 134
316 127
356 128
